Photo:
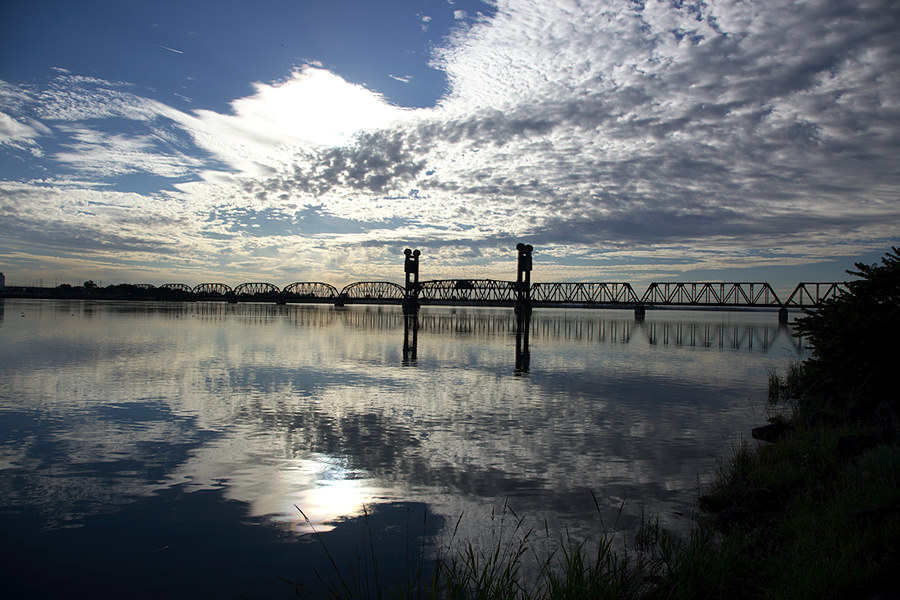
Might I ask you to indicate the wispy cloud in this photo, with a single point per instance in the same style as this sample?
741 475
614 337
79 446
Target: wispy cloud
94 153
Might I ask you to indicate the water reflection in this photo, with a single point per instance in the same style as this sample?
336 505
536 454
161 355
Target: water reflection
523 332
107 406
410 338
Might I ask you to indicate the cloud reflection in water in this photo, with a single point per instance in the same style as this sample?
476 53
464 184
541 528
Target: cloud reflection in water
313 406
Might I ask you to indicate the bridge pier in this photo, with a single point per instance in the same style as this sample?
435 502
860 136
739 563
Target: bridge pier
783 316
411 291
523 278
639 312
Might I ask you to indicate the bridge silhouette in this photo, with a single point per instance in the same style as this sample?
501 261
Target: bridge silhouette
522 294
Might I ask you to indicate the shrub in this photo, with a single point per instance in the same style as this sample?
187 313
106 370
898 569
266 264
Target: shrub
853 337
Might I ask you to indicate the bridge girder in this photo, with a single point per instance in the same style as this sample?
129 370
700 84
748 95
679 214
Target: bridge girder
179 287
584 293
310 289
711 294
212 289
467 290
812 294
373 290
257 289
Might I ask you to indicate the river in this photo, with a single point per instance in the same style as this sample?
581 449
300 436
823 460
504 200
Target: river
191 450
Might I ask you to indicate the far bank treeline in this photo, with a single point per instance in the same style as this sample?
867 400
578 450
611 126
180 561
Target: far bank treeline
129 291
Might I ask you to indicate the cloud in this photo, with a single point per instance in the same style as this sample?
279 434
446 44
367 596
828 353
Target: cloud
107 156
311 108
726 134
707 120
21 135
20 132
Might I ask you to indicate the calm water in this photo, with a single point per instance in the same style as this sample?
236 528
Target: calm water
151 450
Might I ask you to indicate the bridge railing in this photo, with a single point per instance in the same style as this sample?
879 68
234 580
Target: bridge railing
711 294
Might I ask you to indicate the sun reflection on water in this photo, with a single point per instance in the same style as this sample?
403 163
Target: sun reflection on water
314 494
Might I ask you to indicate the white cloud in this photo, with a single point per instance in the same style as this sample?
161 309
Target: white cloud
312 108
691 135
99 154
21 135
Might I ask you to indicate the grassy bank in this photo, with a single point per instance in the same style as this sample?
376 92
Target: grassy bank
815 512
812 512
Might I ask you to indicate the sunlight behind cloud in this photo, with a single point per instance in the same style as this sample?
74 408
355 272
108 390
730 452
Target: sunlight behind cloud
313 107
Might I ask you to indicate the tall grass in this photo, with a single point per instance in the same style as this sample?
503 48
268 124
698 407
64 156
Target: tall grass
515 560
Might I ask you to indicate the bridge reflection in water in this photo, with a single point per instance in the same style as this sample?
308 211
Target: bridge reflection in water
666 329
743 336
523 294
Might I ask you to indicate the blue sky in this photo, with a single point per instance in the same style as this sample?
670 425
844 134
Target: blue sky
315 140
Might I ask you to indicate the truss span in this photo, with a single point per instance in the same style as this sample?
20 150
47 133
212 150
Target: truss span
811 295
711 294
257 289
212 289
310 290
467 290
584 293
177 287
373 290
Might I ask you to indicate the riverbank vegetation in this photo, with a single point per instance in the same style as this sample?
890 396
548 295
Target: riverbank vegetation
812 511
816 510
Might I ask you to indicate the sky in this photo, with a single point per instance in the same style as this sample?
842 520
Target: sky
314 140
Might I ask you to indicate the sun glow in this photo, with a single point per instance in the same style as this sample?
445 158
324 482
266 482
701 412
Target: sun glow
311 108
324 491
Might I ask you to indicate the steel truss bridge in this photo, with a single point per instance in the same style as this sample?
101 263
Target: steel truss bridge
491 292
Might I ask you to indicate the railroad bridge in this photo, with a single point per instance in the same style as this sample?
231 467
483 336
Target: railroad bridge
523 294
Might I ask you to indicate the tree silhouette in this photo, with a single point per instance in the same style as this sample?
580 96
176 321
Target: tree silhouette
854 338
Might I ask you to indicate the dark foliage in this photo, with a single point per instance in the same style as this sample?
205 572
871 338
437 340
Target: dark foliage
854 337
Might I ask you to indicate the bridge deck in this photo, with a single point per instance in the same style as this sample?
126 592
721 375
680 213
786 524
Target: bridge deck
489 292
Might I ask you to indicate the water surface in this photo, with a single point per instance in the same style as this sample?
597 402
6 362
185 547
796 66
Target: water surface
164 449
